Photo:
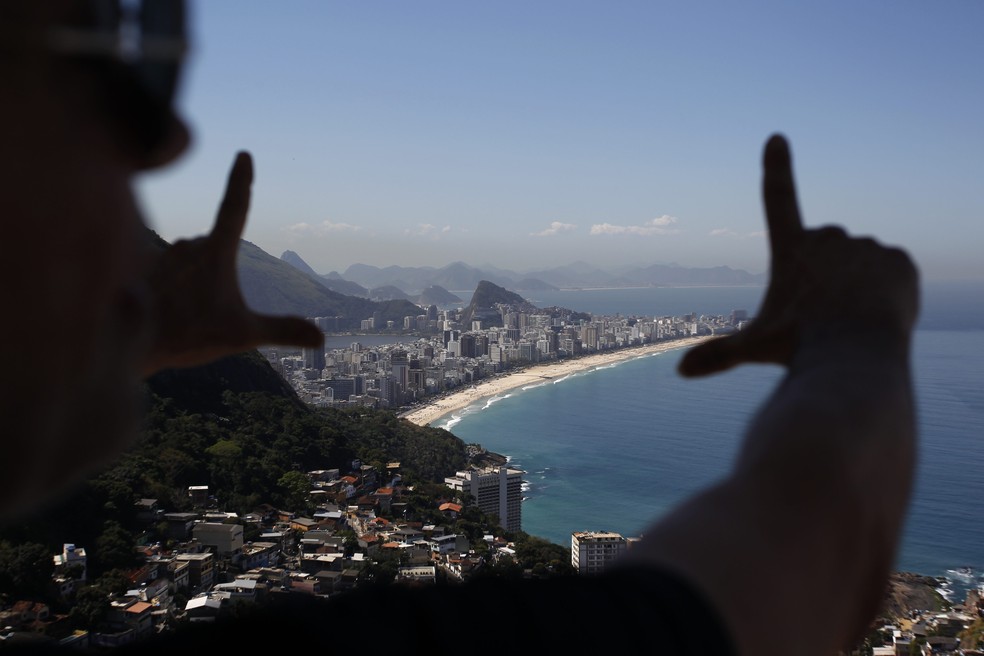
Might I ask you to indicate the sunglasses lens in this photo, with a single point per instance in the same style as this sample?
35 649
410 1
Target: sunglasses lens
162 25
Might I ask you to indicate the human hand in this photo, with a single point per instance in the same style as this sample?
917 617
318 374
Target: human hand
825 289
199 310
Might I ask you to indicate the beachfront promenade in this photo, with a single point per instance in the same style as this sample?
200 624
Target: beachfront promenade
432 410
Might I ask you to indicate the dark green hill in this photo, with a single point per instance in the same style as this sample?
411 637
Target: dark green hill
202 389
242 395
235 426
273 286
239 427
437 295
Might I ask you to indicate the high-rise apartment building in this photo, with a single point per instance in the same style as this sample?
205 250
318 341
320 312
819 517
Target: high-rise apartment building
314 357
496 491
467 346
592 551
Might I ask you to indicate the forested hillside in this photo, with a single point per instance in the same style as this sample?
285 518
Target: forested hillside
236 427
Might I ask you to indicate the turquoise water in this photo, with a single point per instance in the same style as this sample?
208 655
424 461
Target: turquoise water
614 448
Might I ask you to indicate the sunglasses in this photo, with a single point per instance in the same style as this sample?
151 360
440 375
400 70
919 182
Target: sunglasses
138 47
145 36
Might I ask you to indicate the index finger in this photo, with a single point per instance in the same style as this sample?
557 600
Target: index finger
231 218
779 194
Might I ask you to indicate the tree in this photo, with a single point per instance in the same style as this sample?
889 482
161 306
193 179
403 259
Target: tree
25 570
114 548
504 566
351 544
92 601
294 487
545 558
382 570
972 637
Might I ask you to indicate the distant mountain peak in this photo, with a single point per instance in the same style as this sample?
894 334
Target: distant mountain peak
485 301
295 260
437 295
271 285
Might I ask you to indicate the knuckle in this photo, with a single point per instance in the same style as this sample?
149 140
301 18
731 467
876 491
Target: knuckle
830 233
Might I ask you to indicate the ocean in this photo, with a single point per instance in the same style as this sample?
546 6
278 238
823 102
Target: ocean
614 448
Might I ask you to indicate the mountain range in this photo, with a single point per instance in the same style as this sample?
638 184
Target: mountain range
288 285
272 286
361 279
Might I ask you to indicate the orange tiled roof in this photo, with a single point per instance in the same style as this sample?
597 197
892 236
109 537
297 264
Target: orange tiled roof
139 607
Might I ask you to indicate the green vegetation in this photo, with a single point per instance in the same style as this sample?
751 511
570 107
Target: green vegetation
973 636
25 570
236 427
273 286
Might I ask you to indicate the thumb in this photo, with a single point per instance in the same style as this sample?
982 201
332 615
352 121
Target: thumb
755 344
713 356
287 331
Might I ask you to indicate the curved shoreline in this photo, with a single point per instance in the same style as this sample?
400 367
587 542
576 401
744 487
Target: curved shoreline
440 406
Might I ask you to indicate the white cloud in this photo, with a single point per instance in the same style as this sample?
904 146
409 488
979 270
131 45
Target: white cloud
427 230
328 226
723 232
556 227
658 226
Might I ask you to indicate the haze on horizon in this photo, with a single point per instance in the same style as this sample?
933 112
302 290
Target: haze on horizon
533 135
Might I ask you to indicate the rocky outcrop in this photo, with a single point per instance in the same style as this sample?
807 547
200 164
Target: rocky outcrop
907 592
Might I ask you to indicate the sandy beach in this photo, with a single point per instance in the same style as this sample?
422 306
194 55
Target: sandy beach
461 398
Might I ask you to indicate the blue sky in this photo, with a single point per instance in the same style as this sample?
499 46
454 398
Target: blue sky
531 134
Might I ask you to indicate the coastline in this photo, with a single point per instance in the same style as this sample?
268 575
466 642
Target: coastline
432 410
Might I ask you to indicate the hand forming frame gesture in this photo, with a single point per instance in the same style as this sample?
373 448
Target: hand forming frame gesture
200 313
825 287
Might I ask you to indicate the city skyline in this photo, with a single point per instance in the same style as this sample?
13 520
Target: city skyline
532 136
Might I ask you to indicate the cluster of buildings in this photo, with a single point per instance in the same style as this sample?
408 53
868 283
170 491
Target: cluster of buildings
208 566
439 354
202 564
927 633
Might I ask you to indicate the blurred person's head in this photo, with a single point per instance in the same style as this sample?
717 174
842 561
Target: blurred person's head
77 122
